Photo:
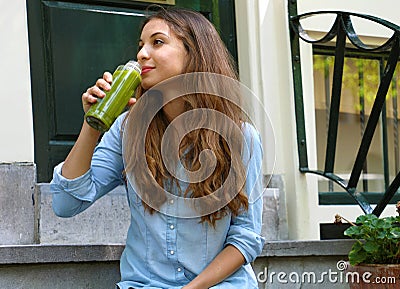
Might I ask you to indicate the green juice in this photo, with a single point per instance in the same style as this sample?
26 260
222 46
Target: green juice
117 72
102 114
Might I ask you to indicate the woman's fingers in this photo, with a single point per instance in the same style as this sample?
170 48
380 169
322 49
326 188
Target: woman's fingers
131 101
103 84
97 91
107 76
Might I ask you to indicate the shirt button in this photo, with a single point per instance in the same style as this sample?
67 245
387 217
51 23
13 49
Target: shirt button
171 201
172 253
171 227
179 269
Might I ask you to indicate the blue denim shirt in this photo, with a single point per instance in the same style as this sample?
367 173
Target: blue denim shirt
163 251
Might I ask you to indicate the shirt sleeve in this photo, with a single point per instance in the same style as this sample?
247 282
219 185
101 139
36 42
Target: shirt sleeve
72 196
245 229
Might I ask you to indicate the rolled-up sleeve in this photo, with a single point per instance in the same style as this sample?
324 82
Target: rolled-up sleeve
72 196
244 232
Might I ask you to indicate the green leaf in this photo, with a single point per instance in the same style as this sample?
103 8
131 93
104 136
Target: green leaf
377 240
395 233
382 223
368 218
371 247
382 235
353 231
388 222
357 255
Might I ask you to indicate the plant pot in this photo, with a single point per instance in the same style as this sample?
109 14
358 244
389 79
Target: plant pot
377 276
329 231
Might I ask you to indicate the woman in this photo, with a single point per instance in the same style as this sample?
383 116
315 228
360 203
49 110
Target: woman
205 248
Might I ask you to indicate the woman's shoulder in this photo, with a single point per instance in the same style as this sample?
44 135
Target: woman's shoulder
113 137
118 124
120 119
250 132
252 141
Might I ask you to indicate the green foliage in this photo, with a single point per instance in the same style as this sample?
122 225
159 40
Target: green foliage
377 240
361 77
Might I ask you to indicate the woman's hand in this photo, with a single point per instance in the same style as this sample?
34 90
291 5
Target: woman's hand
225 263
96 91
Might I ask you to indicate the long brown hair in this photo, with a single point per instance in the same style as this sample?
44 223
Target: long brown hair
206 53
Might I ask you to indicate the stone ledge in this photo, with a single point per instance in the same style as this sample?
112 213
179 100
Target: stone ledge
41 253
294 248
30 254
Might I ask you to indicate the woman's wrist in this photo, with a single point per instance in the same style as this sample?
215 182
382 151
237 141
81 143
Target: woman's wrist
191 286
90 131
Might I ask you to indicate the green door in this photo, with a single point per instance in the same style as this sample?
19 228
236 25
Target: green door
71 44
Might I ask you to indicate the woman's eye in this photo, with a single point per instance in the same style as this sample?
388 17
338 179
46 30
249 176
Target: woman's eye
158 42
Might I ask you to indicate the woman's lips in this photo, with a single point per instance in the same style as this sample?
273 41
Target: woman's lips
146 69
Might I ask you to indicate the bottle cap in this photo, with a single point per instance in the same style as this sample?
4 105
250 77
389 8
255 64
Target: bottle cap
133 65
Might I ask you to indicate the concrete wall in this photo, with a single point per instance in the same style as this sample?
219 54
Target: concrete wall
96 275
27 217
17 213
96 266
78 267
105 222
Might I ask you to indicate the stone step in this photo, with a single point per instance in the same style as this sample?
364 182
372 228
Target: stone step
27 217
97 266
105 222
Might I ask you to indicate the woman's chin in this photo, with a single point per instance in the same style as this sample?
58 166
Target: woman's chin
146 85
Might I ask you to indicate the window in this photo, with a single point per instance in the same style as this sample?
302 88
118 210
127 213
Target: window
361 77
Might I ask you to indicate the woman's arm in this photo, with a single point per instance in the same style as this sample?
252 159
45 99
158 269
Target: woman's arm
78 160
90 170
225 264
72 196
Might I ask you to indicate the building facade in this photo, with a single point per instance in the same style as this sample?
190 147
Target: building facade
264 60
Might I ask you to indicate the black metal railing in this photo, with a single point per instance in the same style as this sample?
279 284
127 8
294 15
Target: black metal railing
360 81
343 35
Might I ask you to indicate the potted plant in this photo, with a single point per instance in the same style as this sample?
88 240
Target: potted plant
374 260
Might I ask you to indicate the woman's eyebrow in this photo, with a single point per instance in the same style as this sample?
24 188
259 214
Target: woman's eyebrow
155 34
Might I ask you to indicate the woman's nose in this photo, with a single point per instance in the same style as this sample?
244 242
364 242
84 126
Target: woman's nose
142 54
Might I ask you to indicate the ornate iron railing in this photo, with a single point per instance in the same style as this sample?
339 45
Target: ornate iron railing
342 30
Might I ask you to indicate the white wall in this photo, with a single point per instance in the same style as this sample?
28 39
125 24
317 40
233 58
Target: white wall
264 55
16 129
387 9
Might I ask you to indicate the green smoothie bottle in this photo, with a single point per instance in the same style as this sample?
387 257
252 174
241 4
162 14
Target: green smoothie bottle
104 112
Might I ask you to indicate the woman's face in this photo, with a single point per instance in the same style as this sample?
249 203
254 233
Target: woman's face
161 54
